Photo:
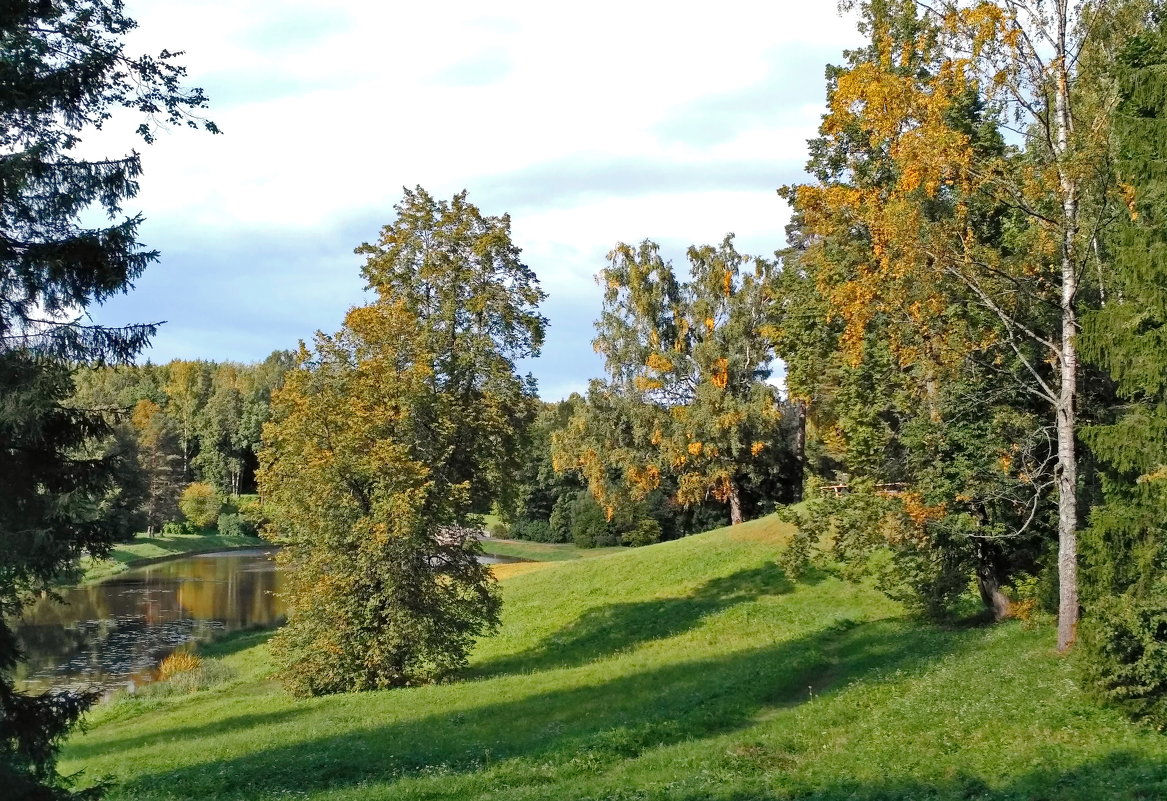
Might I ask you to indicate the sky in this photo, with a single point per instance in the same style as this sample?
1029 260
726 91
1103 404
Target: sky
590 124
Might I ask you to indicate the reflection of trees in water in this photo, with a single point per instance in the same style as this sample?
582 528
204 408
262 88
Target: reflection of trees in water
107 633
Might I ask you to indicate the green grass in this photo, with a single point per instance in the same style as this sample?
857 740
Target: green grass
144 548
691 670
543 552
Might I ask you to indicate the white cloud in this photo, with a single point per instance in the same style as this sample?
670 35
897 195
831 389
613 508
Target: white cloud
329 108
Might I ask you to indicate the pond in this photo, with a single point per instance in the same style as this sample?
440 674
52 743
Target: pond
115 634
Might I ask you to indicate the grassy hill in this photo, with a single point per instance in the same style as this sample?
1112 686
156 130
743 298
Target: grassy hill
688 670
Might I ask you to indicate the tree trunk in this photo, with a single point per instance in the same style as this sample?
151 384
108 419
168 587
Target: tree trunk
735 504
800 449
1066 470
990 589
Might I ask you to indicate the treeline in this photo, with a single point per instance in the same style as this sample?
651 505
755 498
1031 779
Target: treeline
973 308
552 502
185 431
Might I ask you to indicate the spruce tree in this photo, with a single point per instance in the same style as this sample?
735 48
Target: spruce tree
63 71
1125 548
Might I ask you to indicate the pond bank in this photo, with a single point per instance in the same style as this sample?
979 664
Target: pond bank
144 550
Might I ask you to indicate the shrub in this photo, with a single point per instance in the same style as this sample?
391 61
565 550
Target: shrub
646 532
533 530
589 524
234 525
174 528
178 662
497 530
1124 654
251 510
201 504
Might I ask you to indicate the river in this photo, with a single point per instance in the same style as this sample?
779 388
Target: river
116 633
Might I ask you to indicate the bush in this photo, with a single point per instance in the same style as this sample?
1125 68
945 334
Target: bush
1124 654
497 530
533 530
177 528
589 524
201 504
251 510
234 525
646 532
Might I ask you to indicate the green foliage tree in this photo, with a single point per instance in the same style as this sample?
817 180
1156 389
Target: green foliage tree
63 70
1125 547
917 386
159 463
385 439
686 394
200 504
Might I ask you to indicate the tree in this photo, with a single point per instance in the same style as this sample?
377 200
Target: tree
1015 65
159 463
687 365
63 70
1125 546
383 441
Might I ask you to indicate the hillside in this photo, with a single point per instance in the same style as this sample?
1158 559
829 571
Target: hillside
688 670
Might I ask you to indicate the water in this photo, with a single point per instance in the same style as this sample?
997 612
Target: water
116 633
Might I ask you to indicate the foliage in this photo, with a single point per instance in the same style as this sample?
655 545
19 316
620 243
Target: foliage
686 394
646 532
1124 659
200 504
64 72
235 525
1125 547
931 292
533 530
497 530
383 442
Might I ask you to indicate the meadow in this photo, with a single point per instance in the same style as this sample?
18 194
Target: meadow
693 669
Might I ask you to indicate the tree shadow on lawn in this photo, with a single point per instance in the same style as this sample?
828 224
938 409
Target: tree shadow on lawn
1117 776
608 629
612 720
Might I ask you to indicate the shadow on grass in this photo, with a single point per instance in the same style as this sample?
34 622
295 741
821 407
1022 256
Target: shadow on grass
605 630
1117 776
599 723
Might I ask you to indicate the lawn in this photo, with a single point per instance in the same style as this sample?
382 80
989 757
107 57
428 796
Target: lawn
689 670
543 552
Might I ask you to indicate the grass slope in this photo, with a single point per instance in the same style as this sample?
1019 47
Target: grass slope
541 551
688 670
143 548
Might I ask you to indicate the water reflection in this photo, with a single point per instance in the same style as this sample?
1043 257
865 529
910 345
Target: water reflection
117 632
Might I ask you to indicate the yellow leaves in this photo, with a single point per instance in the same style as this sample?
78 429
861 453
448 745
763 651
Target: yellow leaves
757 448
918 511
710 324
719 374
647 384
728 280
695 448
659 363
1128 197
1005 463
1159 474
656 437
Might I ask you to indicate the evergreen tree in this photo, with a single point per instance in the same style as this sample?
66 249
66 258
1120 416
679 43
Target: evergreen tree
1125 547
63 70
